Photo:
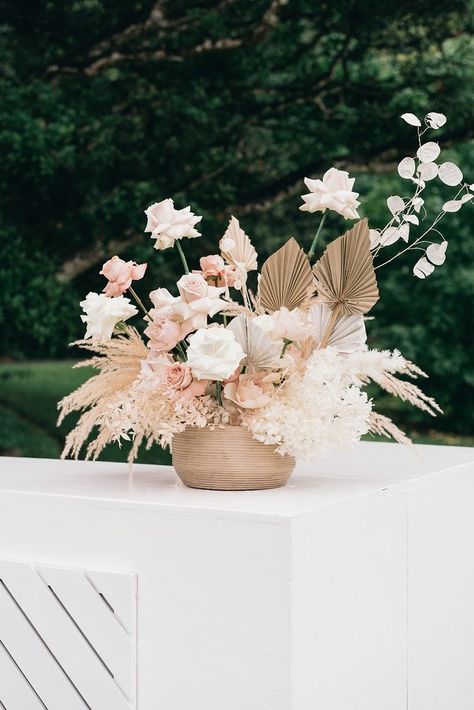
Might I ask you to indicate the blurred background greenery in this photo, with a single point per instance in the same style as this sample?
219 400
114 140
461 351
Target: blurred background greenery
109 105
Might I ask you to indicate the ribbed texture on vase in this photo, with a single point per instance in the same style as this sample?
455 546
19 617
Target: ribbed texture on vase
228 459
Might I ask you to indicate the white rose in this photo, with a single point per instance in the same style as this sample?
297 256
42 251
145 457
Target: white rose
333 192
103 313
167 224
285 325
213 354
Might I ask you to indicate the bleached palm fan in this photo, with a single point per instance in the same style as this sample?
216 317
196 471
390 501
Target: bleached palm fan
242 254
347 335
286 278
345 276
262 353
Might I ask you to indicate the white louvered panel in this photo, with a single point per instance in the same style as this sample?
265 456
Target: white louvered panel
35 661
96 621
120 592
15 691
75 628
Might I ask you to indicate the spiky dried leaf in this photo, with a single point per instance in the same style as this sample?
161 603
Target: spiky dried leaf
241 254
345 276
286 278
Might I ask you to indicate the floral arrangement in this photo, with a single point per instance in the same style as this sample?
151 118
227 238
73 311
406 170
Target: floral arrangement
288 360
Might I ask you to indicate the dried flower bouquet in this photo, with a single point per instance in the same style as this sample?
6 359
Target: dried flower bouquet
289 362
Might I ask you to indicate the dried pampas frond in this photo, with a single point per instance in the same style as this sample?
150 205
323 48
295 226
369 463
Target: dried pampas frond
286 279
407 392
345 276
119 363
382 425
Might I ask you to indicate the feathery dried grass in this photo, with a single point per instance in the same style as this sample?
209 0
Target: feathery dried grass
408 392
119 363
382 425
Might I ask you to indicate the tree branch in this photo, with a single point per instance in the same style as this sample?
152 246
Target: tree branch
108 52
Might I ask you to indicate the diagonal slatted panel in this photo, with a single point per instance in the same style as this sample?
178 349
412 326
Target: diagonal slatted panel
15 690
120 593
37 664
77 629
95 619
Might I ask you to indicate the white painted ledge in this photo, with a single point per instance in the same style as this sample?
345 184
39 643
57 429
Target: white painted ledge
351 589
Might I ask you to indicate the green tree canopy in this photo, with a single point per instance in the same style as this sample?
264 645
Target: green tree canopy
225 105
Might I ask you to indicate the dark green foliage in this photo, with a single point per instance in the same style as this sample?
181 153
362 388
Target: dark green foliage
225 105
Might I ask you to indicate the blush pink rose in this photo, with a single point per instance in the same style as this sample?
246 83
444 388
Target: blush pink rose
179 377
192 287
120 275
246 393
164 333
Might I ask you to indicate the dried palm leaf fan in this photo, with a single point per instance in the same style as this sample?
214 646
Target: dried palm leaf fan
286 278
261 352
242 253
345 276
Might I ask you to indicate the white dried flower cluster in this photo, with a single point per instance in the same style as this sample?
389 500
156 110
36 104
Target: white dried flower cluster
333 418
148 414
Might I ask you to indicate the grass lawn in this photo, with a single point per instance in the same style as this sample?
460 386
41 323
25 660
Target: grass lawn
29 393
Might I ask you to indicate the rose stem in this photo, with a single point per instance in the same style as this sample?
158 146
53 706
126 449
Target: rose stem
219 392
313 245
183 258
139 302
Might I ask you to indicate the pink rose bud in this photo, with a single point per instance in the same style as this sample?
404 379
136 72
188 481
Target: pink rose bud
214 269
120 275
192 287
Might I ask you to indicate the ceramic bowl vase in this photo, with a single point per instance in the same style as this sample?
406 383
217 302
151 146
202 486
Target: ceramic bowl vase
228 459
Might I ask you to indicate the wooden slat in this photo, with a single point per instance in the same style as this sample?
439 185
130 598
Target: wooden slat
119 591
97 623
61 635
37 664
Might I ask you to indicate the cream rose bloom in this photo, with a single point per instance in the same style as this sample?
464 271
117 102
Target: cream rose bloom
168 224
103 313
333 192
246 392
213 354
285 325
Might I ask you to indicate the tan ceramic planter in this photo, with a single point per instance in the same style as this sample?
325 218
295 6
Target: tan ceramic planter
228 459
